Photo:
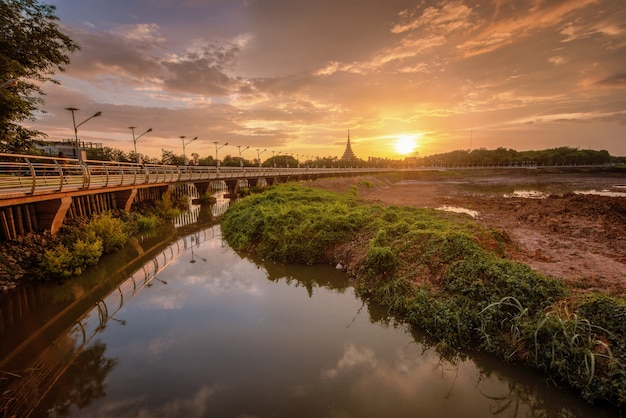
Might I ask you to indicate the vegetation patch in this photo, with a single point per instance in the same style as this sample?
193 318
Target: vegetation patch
80 243
445 276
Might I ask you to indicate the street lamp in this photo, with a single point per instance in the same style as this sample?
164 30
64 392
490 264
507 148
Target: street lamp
183 137
258 154
240 150
132 128
217 161
73 109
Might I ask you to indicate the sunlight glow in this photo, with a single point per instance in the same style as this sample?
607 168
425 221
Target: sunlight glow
406 144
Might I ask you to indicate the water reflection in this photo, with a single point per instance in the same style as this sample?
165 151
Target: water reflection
456 209
528 194
195 330
29 372
604 192
615 191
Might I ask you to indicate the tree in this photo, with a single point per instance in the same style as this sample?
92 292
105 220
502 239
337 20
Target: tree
32 49
108 154
169 158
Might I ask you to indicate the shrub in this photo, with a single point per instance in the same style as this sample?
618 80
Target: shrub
380 262
146 223
111 231
61 262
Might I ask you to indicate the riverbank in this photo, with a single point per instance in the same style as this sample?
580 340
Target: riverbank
567 224
458 278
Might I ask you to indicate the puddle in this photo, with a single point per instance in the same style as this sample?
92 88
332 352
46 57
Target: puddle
456 209
528 194
604 192
615 191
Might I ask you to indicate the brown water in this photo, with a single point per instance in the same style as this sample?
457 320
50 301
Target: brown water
182 326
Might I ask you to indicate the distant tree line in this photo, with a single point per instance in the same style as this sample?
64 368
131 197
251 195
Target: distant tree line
171 158
509 157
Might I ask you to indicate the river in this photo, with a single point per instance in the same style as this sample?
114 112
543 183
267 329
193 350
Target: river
179 325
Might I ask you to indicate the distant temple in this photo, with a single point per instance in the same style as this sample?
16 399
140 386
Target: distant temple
348 154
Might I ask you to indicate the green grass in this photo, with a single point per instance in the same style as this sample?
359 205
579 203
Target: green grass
447 277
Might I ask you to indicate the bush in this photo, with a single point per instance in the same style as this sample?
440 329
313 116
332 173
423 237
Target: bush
380 262
61 262
111 231
291 223
146 223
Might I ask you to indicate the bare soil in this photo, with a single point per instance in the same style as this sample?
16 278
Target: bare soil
573 229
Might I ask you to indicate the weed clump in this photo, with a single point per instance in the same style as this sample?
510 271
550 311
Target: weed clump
292 224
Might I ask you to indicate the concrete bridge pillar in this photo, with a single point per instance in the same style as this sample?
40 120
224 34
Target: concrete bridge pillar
51 213
233 187
203 187
125 198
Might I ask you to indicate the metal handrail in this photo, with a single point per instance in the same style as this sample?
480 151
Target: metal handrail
27 175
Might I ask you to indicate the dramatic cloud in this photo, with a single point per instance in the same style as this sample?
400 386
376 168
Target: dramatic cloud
294 76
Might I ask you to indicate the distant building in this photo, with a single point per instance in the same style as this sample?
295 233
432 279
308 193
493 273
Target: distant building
66 146
348 154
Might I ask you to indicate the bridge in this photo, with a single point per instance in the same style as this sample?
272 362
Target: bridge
38 193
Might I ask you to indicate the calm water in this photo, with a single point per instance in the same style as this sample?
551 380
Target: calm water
187 328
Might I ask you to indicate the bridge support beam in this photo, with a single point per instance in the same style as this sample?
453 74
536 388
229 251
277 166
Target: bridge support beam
51 213
125 198
203 187
233 187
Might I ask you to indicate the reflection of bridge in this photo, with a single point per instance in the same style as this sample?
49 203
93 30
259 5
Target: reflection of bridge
38 193
68 331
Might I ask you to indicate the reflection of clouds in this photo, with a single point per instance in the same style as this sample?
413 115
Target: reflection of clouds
222 281
353 357
224 271
168 301
159 345
409 375
225 284
196 406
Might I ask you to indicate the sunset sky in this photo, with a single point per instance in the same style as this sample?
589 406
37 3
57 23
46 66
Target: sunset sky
293 76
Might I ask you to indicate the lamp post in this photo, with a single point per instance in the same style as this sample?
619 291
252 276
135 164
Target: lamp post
73 109
240 159
274 159
132 128
217 161
258 154
184 145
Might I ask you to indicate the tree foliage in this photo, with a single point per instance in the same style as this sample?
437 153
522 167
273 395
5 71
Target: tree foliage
32 49
503 156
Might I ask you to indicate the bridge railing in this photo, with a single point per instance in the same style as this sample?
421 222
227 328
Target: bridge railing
24 175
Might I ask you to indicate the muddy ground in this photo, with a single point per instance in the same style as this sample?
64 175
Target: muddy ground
573 227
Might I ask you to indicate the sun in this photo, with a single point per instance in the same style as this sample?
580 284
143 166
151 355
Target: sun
406 144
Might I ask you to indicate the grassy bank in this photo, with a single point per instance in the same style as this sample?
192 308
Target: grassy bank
445 276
